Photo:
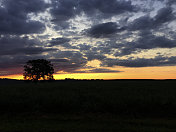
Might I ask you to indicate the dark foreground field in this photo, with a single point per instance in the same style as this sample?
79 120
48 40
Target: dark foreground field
88 106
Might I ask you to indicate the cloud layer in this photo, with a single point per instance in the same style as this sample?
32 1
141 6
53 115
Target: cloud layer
72 33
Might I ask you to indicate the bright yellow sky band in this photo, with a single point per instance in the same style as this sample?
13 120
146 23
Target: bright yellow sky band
168 72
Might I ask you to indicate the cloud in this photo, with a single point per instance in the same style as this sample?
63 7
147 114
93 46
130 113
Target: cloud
98 70
74 60
12 45
141 23
103 30
64 42
14 16
84 47
106 8
146 22
25 6
64 10
141 62
94 55
164 15
26 51
17 61
58 60
146 41
170 2
58 41
10 72
13 42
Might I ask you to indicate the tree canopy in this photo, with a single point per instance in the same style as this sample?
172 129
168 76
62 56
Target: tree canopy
38 69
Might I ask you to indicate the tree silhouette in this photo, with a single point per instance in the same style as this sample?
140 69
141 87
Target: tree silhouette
38 69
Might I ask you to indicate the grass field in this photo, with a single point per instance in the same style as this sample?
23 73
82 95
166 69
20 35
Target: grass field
88 106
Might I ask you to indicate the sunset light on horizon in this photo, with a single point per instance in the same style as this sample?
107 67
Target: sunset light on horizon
168 72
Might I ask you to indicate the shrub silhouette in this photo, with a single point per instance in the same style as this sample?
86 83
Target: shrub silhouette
38 69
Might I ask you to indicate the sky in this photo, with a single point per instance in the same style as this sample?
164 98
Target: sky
90 39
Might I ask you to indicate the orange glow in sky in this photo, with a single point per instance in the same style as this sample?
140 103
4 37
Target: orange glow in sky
168 72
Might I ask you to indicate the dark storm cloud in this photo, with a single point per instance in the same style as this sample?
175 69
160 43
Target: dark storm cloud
145 42
103 30
170 2
100 70
14 16
84 47
146 22
58 60
16 61
67 66
93 55
63 10
71 55
107 8
164 15
67 62
141 62
12 42
64 42
146 39
26 51
152 41
97 70
12 45
58 41
24 6
73 60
